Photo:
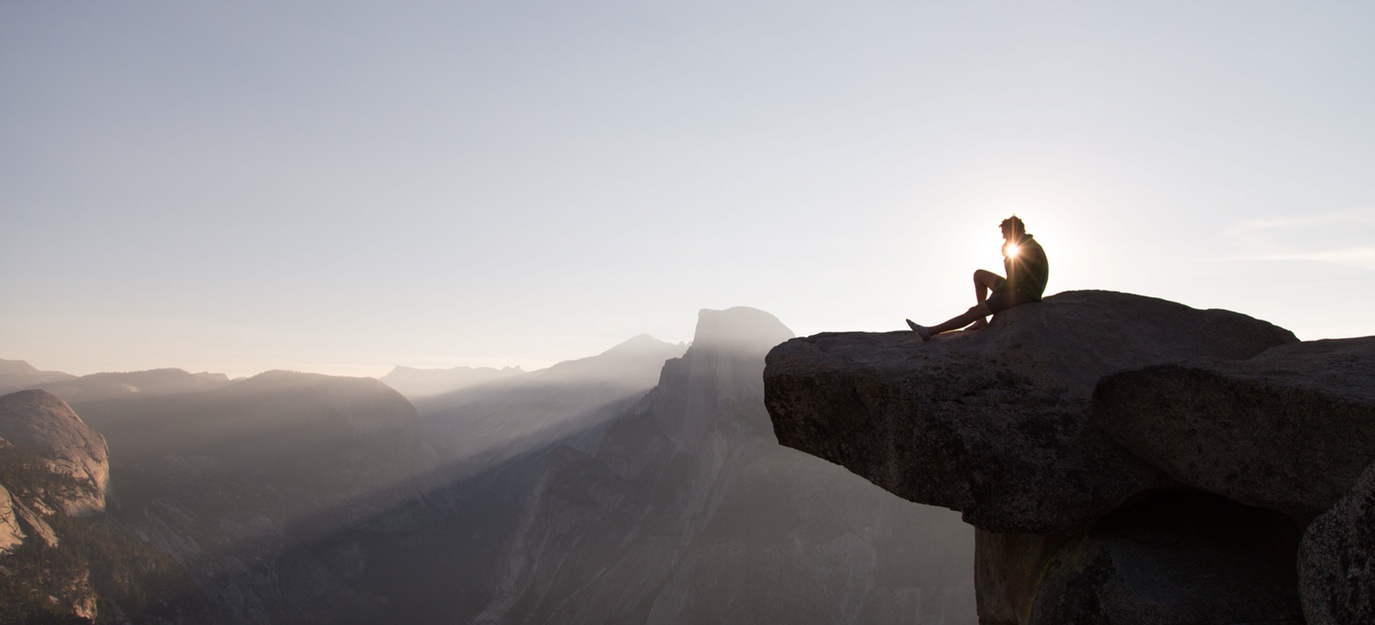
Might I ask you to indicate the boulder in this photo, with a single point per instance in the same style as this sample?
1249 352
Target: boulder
39 423
1290 429
996 423
1336 571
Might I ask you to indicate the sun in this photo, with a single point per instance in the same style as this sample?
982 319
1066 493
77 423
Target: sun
1010 250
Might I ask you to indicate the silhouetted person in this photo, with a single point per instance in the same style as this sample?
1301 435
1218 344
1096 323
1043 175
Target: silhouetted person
1027 271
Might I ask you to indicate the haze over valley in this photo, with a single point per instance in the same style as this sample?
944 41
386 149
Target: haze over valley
642 485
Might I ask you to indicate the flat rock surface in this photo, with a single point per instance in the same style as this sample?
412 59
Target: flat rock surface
995 423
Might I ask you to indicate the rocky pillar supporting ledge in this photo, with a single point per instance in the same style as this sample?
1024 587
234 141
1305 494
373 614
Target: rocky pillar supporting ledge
1175 494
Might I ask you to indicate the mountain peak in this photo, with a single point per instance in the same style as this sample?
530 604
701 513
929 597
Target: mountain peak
18 374
640 344
739 328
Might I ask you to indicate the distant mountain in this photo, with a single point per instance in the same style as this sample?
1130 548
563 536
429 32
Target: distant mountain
483 425
418 383
17 375
624 364
152 383
684 509
228 481
322 442
642 485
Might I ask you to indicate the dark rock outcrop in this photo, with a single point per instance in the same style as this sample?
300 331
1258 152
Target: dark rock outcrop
995 423
1288 430
1337 560
1125 459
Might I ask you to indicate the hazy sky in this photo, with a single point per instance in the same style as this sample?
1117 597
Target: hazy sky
342 187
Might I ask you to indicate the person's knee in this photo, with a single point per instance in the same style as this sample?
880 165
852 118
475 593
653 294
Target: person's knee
986 278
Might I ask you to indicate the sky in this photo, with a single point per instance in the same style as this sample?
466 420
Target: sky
341 187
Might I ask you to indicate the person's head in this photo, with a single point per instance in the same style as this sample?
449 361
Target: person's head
1013 228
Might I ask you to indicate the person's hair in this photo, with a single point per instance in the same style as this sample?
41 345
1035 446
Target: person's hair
1014 223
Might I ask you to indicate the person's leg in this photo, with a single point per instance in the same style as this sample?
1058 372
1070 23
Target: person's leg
977 312
985 281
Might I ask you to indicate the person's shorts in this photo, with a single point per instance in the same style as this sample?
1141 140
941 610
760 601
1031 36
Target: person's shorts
1003 300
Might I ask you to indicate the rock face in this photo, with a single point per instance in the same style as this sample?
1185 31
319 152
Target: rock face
1125 459
52 468
11 534
1337 560
995 423
1305 412
40 423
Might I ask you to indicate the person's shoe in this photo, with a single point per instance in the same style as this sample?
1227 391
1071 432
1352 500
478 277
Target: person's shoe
921 330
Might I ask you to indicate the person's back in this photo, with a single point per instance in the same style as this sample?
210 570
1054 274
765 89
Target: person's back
1027 269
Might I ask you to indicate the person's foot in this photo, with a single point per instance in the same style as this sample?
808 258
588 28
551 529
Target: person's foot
921 330
977 325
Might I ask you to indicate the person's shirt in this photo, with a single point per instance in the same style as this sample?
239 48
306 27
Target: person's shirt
1028 270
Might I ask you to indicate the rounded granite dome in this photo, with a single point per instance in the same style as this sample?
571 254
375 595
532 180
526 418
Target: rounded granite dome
41 423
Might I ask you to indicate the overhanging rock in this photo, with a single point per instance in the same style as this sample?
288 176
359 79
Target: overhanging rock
996 423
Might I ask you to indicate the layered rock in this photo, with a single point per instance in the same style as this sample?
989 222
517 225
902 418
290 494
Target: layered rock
1126 460
1288 430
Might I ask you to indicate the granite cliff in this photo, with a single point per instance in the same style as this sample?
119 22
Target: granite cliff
54 478
684 509
1123 459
